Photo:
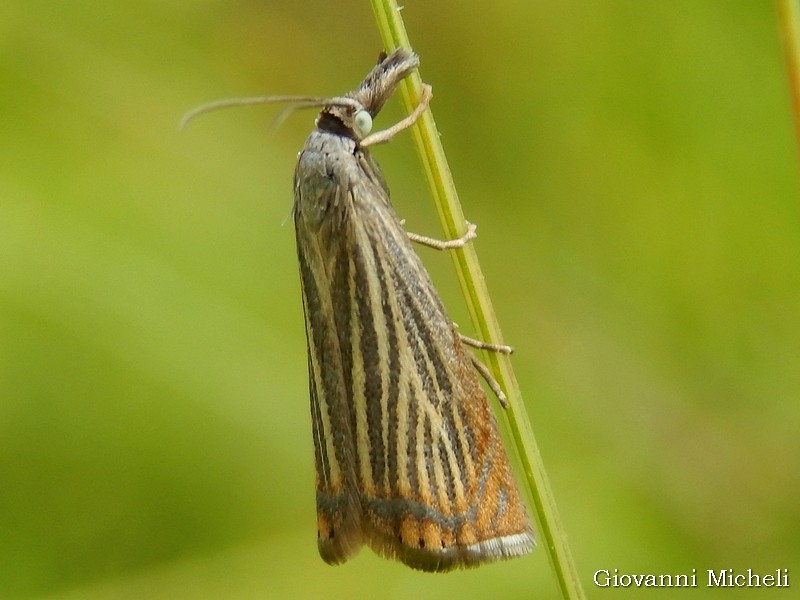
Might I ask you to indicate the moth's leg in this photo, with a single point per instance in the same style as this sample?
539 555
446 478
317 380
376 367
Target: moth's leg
480 345
384 135
482 369
445 244
487 376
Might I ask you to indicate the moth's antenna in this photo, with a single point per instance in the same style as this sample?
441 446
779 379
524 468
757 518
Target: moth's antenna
296 103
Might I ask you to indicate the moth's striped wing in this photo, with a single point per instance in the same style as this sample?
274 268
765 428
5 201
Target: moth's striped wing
339 531
408 455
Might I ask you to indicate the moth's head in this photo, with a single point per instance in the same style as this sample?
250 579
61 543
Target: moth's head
345 116
352 114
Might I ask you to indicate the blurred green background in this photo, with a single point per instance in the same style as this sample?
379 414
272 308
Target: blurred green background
633 172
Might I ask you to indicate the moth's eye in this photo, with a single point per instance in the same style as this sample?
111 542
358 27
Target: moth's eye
362 122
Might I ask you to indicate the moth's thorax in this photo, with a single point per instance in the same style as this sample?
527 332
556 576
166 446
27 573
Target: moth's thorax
328 169
324 142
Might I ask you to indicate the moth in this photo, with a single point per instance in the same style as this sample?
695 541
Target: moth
407 452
